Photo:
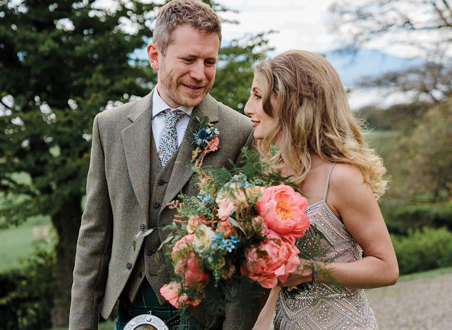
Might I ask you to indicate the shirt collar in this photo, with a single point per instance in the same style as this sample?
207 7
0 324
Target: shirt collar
158 105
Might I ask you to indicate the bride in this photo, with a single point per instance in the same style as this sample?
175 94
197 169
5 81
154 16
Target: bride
298 102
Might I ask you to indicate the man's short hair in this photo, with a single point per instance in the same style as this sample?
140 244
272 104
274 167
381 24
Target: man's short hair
179 12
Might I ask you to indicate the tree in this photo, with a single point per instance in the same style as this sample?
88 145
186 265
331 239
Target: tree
63 61
428 152
423 27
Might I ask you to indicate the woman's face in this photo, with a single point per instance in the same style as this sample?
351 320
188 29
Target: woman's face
262 122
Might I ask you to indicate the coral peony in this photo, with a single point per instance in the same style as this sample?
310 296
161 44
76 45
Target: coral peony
283 210
170 292
187 264
273 260
189 270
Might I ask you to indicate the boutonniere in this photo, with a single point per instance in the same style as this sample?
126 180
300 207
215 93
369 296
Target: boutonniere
204 139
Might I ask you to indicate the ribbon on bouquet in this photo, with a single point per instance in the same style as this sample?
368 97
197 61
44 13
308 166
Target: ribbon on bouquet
267 314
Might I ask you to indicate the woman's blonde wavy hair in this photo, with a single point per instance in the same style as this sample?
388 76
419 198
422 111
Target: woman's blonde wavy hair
312 118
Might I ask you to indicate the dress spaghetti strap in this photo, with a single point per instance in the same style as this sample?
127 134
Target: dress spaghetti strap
327 182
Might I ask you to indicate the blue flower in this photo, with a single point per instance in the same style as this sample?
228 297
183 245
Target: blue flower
219 242
244 184
234 239
204 199
201 136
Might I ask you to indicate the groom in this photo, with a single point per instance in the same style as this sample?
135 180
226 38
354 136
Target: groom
139 162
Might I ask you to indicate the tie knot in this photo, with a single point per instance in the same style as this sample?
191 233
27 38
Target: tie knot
172 116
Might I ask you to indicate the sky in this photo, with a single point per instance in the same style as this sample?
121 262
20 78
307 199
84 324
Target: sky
301 24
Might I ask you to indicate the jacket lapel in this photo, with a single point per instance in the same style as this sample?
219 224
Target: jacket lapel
136 142
182 170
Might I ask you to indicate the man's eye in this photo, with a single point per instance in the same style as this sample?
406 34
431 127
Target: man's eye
210 63
188 60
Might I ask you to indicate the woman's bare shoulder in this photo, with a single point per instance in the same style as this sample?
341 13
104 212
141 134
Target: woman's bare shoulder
347 182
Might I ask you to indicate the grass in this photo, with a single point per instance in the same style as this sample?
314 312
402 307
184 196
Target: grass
17 242
427 273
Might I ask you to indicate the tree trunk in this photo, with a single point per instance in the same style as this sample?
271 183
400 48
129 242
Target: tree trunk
67 225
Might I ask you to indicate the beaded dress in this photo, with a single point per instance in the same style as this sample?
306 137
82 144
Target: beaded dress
323 306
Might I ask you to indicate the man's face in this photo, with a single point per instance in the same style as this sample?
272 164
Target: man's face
187 70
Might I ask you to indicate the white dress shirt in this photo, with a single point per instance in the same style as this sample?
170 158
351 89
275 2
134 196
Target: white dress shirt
158 119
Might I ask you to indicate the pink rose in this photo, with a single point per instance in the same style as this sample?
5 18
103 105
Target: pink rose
283 210
194 222
182 245
273 260
170 292
226 228
225 208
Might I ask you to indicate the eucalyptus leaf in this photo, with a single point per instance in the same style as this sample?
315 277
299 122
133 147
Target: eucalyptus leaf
139 235
235 224
168 239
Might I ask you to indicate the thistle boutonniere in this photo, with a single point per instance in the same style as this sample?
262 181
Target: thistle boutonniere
204 138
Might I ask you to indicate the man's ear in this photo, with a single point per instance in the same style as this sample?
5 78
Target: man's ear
153 55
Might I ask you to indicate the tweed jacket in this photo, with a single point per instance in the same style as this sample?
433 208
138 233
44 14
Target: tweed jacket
118 197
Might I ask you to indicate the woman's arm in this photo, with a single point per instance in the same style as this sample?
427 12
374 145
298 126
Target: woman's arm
352 200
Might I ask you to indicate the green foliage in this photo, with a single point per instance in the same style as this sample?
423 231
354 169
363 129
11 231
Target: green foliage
17 242
235 69
420 215
400 117
429 154
26 300
253 167
61 64
423 249
416 151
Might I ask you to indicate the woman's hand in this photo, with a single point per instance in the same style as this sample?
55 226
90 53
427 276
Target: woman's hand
301 275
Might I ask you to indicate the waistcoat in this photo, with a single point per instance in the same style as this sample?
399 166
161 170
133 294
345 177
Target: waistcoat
150 261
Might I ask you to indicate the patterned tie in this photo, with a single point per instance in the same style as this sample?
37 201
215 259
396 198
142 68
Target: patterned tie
168 142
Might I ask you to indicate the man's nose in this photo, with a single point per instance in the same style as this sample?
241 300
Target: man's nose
198 71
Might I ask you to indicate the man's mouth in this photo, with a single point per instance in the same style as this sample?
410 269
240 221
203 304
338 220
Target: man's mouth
194 87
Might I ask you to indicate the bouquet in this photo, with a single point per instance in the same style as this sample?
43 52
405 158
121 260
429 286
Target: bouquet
244 223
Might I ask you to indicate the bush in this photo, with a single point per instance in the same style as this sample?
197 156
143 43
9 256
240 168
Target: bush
26 298
401 219
423 249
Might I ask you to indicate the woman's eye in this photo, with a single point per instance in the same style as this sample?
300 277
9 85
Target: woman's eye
257 96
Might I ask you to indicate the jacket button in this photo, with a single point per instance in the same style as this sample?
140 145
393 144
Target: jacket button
128 265
142 227
156 205
161 182
140 274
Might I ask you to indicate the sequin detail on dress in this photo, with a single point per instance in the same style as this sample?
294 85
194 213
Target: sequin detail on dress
323 306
